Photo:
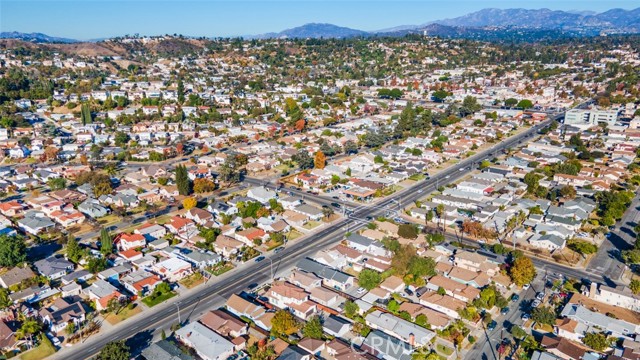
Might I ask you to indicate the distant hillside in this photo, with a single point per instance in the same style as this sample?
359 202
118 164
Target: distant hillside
315 31
35 37
616 20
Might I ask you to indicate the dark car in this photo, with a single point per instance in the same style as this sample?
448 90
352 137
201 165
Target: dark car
420 291
515 297
335 205
259 258
408 292
504 310
492 325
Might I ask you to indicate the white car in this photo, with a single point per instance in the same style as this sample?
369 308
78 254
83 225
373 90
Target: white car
526 287
525 317
361 291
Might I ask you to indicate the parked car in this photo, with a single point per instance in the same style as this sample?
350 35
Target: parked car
525 317
408 292
540 296
278 249
361 291
504 310
526 287
492 325
536 303
515 297
259 258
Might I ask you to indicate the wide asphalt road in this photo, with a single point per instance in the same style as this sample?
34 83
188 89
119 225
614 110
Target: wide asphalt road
214 293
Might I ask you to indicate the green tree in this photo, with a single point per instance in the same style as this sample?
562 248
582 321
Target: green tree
74 251
543 315
5 300
368 279
12 250
283 323
484 164
393 306
525 104
121 138
634 285
510 102
583 247
596 341
106 242
522 271
180 91
71 328
29 327
95 264
115 350
182 180
57 183
85 114
313 328
518 332
351 309
631 256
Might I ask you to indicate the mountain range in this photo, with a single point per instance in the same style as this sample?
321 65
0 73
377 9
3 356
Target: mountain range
487 24
34 37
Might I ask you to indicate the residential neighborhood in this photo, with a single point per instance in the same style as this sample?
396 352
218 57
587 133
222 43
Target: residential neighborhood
414 198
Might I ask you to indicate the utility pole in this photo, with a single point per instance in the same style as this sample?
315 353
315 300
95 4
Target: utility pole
178 305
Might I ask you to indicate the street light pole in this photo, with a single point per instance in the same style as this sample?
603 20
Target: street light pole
178 305
271 268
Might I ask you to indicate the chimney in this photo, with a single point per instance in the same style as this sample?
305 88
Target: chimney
593 289
412 340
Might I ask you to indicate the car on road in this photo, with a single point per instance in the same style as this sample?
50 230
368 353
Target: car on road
492 325
525 317
278 249
361 291
259 258
335 205
369 218
515 297
504 310
420 191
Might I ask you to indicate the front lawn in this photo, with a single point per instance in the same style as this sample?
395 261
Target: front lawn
192 280
220 269
124 313
156 298
43 351
311 225
444 350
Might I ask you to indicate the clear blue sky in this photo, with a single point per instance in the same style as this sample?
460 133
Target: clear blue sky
90 19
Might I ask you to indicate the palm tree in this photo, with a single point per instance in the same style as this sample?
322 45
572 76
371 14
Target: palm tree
29 327
110 169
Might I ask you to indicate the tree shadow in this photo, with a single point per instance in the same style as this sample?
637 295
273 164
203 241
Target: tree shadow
42 251
139 341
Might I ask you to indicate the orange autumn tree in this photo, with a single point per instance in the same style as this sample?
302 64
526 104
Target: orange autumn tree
300 124
320 160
